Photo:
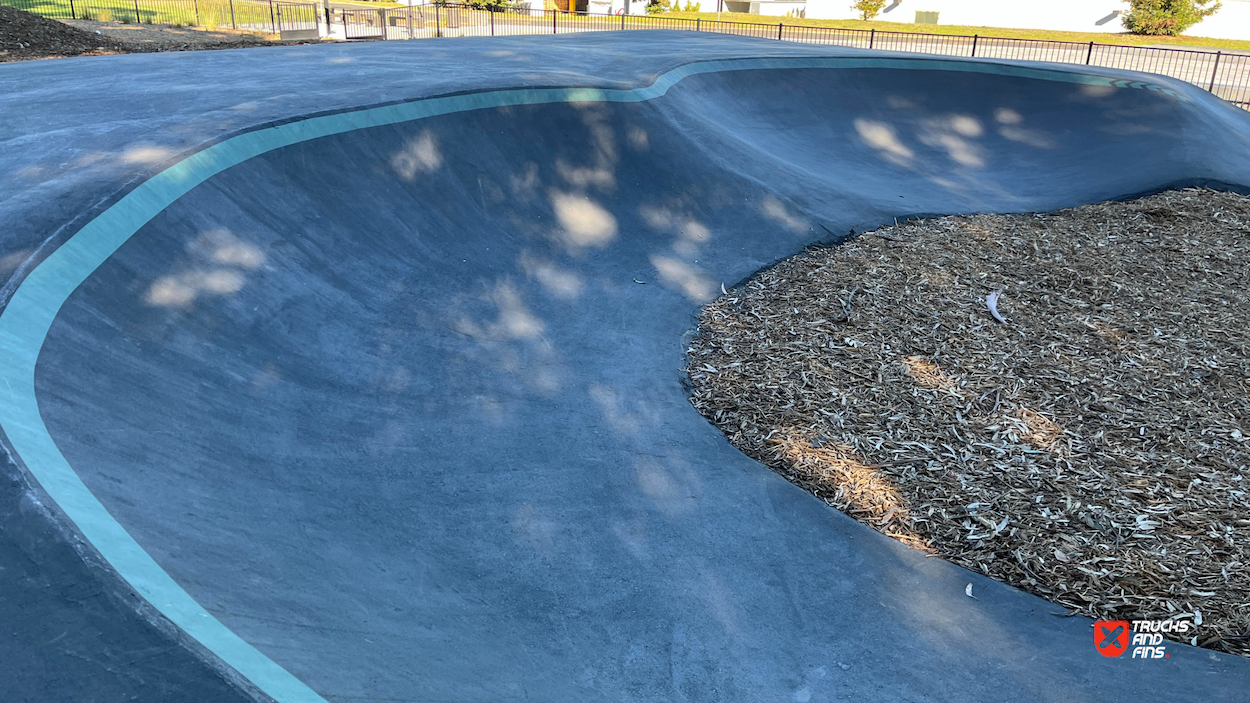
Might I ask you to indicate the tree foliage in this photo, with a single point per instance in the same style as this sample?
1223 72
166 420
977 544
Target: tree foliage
868 9
1167 17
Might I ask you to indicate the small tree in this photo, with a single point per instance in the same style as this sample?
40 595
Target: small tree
868 9
1167 17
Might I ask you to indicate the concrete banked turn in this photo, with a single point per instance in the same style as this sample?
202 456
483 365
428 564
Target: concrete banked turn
317 399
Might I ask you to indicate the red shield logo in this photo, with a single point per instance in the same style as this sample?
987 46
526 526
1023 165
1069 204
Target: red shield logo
1111 637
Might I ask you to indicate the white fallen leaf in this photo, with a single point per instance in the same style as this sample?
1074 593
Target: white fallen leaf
1197 617
722 289
991 301
1061 556
968 592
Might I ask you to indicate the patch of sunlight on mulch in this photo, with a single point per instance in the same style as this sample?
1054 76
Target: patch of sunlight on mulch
1091 448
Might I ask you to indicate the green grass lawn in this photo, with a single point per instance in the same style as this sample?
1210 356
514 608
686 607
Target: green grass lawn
253 13
1083 37
192 13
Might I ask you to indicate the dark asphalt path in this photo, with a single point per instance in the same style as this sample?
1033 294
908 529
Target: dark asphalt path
402 407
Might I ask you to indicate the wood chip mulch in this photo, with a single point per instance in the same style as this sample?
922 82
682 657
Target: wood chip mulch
1091 447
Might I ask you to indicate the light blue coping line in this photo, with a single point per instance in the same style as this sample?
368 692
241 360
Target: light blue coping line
25 322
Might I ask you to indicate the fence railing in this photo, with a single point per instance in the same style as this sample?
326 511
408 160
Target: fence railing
1227 75
270 16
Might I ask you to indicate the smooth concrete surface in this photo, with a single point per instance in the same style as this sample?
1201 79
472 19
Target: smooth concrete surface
402 406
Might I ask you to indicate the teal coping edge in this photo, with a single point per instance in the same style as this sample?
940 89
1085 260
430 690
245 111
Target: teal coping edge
24 324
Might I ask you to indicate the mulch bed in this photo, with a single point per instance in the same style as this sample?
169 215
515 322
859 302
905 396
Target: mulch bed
1060 401
25 36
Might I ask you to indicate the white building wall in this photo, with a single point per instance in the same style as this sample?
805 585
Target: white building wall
1231 22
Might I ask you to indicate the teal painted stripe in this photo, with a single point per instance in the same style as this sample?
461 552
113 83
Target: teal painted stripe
29 315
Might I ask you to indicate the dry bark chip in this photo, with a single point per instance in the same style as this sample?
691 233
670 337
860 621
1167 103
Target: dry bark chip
1060 401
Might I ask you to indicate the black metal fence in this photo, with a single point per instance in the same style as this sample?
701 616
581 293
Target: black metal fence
271 16
1224 74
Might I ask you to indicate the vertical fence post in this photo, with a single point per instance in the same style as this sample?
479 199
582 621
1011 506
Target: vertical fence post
872 37
974 44
780 26
197 14
492 23
553 21
233 24
72 14
623 20
410 21
1214 71
273 21
1090 54
137 19
438 30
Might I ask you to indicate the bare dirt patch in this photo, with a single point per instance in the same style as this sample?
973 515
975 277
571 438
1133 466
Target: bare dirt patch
1091 447
149 37
25 36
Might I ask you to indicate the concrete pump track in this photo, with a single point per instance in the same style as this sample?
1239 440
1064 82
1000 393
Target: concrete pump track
353 372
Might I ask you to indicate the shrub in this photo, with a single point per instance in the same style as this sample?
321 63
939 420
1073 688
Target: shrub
1167 17
105 16
868 9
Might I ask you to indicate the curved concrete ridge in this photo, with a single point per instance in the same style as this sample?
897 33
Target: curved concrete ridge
31 313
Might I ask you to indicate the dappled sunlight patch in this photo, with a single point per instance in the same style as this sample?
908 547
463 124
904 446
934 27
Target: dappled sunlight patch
637 138
180 290
955 135
514 320
583 222
599 176
224 247
613 409
1011 128
555 280
669 484
927 374
1035 428
220 260
508 337
881 136
777 210
684 277
1028 137
420 155
966 126
859 490
146 154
